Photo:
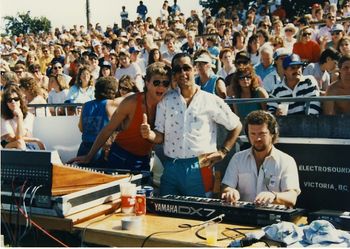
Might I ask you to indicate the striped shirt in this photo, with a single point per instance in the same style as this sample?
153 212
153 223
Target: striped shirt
307 87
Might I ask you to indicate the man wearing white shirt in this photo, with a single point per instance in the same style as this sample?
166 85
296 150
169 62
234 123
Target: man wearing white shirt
262 173
186 122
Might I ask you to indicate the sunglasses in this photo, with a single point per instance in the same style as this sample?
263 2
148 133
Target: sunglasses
331 17
124 89
306 34
243 77
13 99
242 62
336 32
164 83
57 68
185 68
289 30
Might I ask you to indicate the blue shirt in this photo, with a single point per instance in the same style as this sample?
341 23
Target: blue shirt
262 71
77 95
94 118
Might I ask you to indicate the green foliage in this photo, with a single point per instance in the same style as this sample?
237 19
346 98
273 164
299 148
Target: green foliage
23 23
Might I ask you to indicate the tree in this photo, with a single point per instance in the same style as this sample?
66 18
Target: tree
293 7
23 23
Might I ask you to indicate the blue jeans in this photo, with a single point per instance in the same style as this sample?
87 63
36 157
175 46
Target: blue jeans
182 177
98 160
122 159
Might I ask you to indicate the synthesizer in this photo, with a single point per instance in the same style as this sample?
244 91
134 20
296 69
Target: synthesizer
39 181
245 213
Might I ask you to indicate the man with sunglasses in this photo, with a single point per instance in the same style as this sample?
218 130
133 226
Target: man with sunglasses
295 84
130 151
324 33
186 122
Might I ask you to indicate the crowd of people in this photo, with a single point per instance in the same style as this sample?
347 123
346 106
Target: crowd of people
165 79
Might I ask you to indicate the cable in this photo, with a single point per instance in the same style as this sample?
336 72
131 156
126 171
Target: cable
174 231
89 224
33 222
41 229
26 213
184 227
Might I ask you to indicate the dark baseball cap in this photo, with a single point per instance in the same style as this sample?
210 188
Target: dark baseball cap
291 60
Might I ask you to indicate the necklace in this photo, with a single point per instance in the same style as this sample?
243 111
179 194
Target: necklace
147 112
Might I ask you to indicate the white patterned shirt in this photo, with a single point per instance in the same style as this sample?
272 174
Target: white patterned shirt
192 131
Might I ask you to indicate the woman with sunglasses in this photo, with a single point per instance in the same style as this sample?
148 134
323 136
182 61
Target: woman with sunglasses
305 47
16 121
245 84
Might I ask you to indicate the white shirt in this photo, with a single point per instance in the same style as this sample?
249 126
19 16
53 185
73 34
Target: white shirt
57 97
271 81
278 173
223 74
192 131
9 126
133 70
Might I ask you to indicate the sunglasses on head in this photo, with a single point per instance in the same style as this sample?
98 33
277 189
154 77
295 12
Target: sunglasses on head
13 99
164 83
185 68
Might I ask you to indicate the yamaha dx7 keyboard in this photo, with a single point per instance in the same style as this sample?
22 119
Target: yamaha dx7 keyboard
245 213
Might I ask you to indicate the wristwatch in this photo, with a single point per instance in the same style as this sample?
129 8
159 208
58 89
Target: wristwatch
224 150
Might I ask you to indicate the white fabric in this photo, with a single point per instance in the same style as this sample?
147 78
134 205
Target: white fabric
57 97
278 173
192 131
271 81
9 126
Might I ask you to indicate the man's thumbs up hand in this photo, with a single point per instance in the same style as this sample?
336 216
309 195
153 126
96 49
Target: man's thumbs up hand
145 128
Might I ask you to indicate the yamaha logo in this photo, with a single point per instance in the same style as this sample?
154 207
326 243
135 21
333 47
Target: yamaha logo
178 209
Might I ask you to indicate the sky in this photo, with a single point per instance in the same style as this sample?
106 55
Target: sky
70 12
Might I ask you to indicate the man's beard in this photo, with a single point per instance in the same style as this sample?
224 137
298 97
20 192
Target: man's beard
260 148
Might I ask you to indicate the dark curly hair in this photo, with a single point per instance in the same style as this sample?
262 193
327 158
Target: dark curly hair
6 112
245 70
262 117
106 88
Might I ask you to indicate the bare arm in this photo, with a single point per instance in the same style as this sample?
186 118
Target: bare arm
263 94
118 117
230 141
328 106
221 88
80 124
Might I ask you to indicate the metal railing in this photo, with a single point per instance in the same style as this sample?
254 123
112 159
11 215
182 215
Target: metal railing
241 101
58 109
229 100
